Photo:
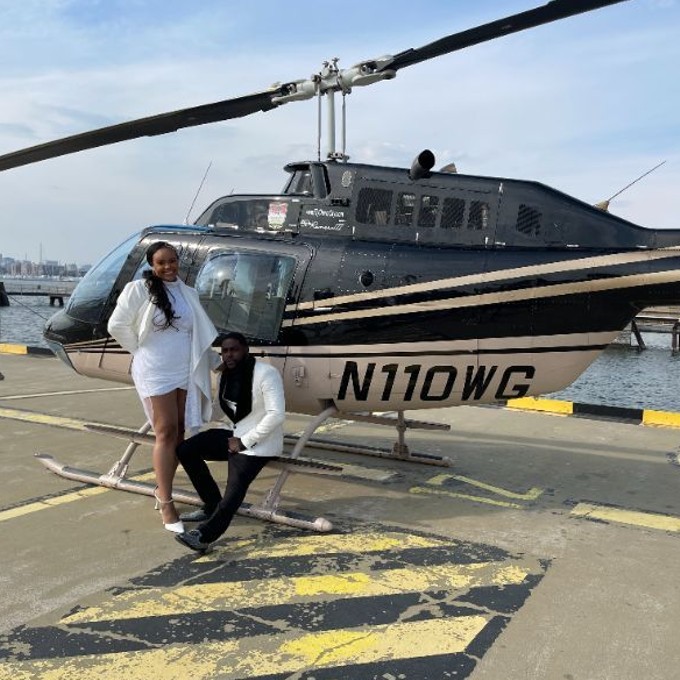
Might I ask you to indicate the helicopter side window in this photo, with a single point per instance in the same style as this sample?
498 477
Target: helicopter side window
246 292
429 209
406 204
453 213
373 206
479 215
227 213
300 183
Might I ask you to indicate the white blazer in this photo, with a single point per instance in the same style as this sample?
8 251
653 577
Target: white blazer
132 320
261 431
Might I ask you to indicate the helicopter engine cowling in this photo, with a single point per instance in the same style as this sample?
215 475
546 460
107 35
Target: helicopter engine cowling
422 165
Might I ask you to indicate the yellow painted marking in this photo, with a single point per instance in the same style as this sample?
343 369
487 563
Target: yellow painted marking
206 597
48 503
63 393
259 656
43 419
536 404
6 348
531 495
328 544
452 494
661 418
648 520
12 513
360 471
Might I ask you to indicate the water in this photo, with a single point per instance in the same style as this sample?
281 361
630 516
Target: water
22 322
621 376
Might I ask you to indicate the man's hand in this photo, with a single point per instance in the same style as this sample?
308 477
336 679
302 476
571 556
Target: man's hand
235 445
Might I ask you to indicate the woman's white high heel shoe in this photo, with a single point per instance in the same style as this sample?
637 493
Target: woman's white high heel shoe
175 527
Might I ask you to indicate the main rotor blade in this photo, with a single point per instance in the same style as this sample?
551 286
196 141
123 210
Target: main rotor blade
264 101
144 127
553 11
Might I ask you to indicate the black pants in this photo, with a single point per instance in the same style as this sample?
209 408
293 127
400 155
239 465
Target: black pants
242 470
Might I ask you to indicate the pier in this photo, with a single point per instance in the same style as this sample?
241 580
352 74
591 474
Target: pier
56 291
653 320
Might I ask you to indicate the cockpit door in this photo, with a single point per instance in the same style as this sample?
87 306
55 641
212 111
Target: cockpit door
253 287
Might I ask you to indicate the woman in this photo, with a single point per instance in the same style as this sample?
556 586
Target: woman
160 321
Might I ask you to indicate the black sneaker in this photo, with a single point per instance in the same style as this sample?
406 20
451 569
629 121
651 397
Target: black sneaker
192 539
200 515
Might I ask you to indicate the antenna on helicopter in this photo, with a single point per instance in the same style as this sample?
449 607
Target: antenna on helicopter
604 205
198 191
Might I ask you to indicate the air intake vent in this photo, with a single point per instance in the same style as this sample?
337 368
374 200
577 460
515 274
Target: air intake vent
528 221
453 214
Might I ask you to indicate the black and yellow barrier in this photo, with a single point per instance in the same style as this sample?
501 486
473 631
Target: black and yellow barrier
572 408
9 348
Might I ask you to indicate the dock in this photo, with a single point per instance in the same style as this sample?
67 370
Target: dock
548 549
652 320
56 291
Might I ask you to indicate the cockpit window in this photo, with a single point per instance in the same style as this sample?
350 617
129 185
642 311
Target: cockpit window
300 183
88 299
246 292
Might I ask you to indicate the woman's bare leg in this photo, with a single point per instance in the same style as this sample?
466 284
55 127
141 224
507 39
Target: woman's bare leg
166 427
181 405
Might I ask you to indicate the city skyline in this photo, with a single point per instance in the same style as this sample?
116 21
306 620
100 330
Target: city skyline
11 267
44 261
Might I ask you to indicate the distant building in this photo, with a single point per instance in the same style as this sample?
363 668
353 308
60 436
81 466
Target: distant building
11 267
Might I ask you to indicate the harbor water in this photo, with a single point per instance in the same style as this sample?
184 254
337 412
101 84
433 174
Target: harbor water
22 322
621 376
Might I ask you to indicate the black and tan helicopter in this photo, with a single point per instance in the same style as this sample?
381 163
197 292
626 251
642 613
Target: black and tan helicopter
378 289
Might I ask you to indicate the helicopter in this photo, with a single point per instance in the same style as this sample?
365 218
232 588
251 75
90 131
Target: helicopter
381 289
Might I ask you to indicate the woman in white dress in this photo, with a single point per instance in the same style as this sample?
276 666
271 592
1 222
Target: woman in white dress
160 321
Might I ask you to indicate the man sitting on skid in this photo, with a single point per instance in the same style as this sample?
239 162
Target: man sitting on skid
250 397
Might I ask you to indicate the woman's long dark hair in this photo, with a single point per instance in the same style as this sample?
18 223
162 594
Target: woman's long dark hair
157 291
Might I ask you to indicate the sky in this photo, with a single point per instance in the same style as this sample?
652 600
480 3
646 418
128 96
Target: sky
585 105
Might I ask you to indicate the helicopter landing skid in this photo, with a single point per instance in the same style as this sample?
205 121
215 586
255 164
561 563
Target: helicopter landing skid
115 478
400 450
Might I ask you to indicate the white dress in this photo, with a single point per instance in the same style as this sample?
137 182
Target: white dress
162 363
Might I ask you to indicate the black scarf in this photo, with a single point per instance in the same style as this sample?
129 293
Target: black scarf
236 385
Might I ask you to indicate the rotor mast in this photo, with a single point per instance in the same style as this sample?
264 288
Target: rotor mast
329 81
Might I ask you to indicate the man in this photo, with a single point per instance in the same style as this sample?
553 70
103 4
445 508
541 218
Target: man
250 397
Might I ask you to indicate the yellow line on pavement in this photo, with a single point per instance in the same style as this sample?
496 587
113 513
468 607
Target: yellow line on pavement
63 393
424 490
205 597
21 510
327 544
43 419
531 495
649 520
46 504
287 653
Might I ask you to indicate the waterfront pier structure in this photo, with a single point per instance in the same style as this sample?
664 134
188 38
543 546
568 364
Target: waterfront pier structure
55 290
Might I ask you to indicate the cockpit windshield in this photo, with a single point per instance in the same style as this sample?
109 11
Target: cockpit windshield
88 299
